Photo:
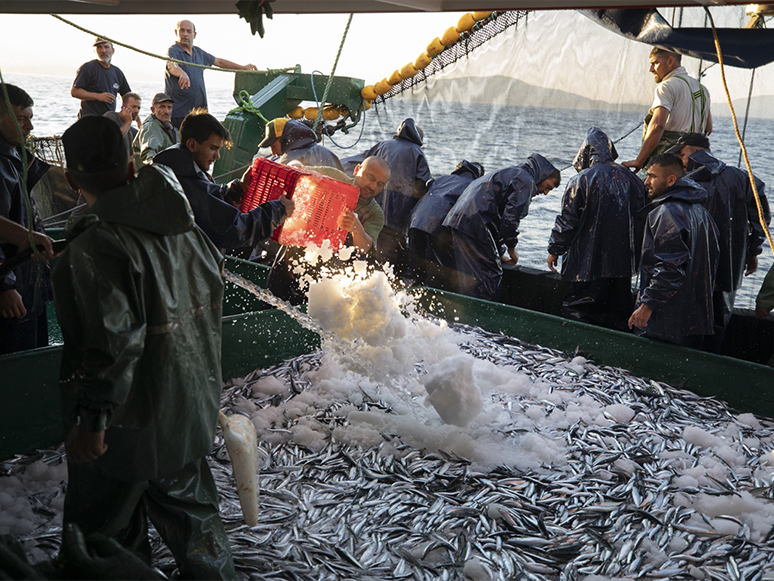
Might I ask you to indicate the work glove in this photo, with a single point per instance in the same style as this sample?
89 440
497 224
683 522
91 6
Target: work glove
252 11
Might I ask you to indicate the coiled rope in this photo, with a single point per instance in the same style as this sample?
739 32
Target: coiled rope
166 58
761 219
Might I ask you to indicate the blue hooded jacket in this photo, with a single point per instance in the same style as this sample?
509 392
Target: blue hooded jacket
225 225
598 232
409 173
498 201
679 260
732 204
443 192
299 143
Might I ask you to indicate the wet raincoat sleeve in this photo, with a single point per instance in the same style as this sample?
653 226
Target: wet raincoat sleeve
565 227
667 240
520 193
101 286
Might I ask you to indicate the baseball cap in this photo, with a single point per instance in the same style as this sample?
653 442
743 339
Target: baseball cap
696 139
273 131
94 144
99 40
161 98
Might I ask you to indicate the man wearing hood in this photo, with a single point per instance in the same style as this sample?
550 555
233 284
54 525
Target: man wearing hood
679 258
408 183
139 297
431 258
485 223
731 203
291 140
215 205
23 321
597 236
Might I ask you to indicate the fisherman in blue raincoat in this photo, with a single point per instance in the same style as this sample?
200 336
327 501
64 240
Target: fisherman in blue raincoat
201 137
679 258
431 257
23 321
598 236
410 174
139 297
291 140
732 204
485 223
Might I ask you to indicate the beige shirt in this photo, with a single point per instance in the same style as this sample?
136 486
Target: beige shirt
682 95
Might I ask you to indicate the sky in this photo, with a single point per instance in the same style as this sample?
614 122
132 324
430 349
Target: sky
375 46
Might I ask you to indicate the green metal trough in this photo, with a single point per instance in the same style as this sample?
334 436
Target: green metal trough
256 337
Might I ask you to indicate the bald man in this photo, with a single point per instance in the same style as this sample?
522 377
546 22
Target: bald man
185 84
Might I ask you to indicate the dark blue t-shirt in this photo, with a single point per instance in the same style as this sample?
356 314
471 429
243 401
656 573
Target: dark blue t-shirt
95 78
195 95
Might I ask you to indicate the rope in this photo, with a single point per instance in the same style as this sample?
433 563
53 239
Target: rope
247 106
362 114
746 114
738 135
166 58
330 77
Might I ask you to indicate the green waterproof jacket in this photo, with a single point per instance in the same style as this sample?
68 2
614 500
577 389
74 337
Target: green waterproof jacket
139 293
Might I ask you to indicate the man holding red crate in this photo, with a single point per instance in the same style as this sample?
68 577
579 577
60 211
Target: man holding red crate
363 225
201 137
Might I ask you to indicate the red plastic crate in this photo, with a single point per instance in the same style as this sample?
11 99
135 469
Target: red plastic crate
319 201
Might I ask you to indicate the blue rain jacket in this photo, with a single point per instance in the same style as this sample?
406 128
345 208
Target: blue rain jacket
226 226
496 203
732 204
13 205
443 192
597 232
679 259
409 174
299 143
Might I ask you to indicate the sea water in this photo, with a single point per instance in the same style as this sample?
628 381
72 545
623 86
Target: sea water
495 135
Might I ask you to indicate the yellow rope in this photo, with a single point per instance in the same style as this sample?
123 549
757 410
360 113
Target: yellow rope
165 58
738 135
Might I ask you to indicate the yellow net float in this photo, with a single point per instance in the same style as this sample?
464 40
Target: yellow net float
408 71
382 87
435 47
367 104
296 113
450 36
369 93
394 78
481 15
330 112
466 22
422 61
311 113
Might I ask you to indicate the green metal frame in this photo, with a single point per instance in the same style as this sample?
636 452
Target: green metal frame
275 94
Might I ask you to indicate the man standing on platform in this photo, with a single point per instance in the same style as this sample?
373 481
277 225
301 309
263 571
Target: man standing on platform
185 84
681 105
97 82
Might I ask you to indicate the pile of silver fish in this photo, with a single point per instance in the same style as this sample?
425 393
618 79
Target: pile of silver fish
351 513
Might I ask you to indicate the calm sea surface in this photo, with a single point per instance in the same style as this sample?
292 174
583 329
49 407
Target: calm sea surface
497 136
